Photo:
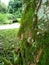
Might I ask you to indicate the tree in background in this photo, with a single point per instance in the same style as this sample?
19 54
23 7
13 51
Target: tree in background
3 13
3 8
15 7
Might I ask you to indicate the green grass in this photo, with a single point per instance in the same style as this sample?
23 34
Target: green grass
8 37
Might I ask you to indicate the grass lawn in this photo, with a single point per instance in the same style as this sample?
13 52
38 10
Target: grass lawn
8 37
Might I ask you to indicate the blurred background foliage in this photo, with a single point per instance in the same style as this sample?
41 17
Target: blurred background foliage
11 12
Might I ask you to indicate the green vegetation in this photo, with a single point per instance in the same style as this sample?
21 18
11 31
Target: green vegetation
28 45
8 37
8 18
33 34
8 42
10 13
3 8
4 18
15 8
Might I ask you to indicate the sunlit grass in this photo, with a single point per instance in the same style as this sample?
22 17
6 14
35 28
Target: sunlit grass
8 37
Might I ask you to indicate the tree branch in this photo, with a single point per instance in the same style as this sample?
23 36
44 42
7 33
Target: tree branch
39 5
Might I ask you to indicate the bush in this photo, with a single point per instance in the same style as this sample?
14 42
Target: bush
4 18
13 18
10 16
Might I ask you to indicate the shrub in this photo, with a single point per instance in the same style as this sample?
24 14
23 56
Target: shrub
3 18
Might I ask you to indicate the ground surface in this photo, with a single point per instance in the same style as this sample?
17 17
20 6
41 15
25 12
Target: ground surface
9 26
